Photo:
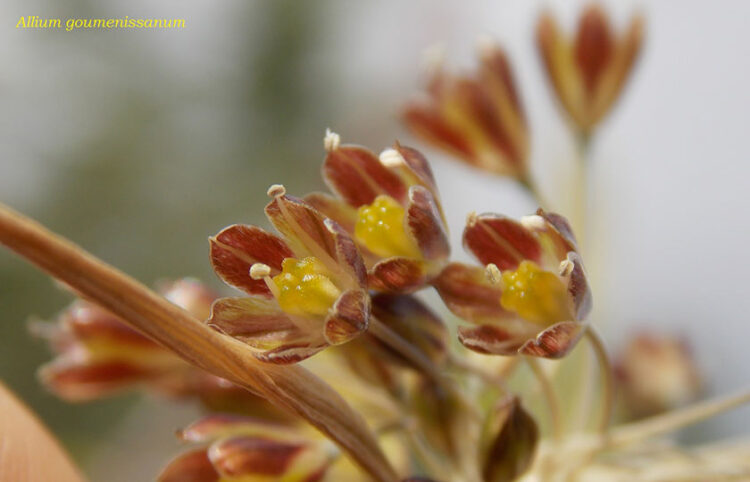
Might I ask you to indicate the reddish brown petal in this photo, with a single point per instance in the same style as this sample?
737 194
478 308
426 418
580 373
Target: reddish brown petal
88 322
562 226
416 161
556 341
218 425
333 208
291 352
80 381
494 238
398 275
426 224
496 70
357 175
414 322
578 288
240 456
594 46
426 122
312 234
490 339
193 466
238 247
511 441
349 318
253 320
467 292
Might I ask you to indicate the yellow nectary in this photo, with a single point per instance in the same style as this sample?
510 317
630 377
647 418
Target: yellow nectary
535 294
304 287
380 227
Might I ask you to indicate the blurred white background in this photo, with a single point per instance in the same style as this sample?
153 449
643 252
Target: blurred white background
668 189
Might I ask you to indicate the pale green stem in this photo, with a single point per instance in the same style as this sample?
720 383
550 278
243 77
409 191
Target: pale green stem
607 375
549 394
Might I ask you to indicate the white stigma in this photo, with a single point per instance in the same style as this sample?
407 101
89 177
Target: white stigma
331 141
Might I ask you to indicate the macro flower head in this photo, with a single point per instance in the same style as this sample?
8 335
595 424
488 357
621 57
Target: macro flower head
478 118
238 449
532 295
390 206
307 290
588 72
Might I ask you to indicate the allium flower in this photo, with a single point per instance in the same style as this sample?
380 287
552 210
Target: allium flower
243 448
536 294
478 118
656 373
307 290
391 207
589 72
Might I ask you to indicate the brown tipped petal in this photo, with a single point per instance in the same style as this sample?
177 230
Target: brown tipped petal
512 438
357 175
594 46
267 457
349 318
500 240
219 425
426 224
194 466
262 325
426 122
468 293
491 339
578 288
80 381
556 341
563 228
89 322
414 322
418 164
312 234
333 208
398 275
236 248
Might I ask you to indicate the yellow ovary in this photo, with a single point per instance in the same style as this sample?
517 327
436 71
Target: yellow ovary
380 228
304 287
536 295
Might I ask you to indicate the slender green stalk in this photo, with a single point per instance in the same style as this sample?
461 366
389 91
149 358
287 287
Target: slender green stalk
549 394
607 375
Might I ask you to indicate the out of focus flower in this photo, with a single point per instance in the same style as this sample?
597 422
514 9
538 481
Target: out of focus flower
533 295
478 118
98 355
588 72
656 373
243 449
390 205
307 290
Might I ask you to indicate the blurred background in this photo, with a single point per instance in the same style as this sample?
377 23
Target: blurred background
139 144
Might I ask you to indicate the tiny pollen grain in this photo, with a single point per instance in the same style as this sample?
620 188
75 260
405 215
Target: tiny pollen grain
493 273
331 141
259 271
391 158
276 190
471 218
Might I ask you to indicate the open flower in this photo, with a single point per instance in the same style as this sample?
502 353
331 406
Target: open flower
478 118
390 205
533 295
243 448
589 72
307 290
